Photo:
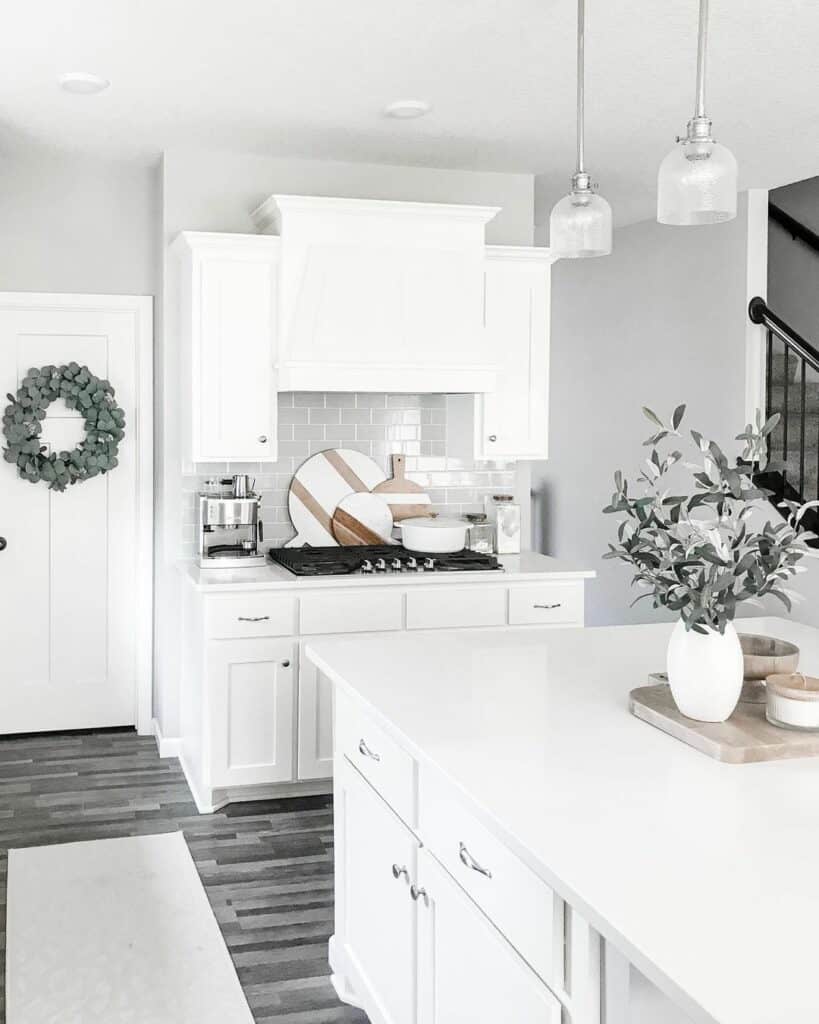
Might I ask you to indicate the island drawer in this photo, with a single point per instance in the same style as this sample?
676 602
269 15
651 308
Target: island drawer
446 607
386 766
335 611
522 906
545 603
256 613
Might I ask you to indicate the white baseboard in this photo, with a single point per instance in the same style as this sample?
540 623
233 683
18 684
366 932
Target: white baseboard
168 746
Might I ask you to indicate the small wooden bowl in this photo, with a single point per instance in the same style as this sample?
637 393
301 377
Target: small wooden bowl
764 656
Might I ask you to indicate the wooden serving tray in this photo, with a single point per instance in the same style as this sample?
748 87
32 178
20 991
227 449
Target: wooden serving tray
746 737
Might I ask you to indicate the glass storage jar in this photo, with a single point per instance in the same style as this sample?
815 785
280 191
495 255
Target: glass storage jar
480 534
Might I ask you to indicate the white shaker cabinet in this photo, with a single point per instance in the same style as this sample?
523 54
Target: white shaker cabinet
375 914
380 296
315 727
228 313
467 972
513 421
251 687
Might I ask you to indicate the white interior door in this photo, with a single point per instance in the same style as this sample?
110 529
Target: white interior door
71 582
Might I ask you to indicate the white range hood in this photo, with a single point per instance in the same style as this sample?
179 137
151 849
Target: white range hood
380 296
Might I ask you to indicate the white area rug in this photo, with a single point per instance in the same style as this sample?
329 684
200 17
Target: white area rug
118 931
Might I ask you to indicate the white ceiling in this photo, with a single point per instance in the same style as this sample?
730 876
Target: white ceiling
309 78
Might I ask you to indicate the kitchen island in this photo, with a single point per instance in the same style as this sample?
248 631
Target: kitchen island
506 782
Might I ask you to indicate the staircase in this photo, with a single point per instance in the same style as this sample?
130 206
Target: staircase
792 391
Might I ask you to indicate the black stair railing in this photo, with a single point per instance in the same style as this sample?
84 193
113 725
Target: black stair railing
792 390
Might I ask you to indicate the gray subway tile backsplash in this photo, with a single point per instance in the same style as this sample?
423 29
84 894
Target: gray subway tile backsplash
375 424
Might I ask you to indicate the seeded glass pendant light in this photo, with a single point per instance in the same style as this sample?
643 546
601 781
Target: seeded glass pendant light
580 224
697 183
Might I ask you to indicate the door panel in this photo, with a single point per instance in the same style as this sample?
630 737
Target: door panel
251 684
315 723
67 623
375 915
467 972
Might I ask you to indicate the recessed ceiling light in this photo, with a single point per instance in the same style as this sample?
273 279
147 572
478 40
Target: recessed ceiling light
83 83
406 109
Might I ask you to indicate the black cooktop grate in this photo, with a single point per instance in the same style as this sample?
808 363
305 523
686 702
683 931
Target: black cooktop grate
342 561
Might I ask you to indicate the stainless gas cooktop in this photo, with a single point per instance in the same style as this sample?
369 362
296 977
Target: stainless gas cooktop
378 560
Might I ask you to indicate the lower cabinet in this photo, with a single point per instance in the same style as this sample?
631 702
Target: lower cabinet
375 916
410 947
467 972
315 732
251 687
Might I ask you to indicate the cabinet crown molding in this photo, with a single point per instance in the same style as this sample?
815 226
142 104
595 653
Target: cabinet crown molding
268 216
522 254
198 241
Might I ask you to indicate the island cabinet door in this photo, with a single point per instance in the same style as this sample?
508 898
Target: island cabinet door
251 685
467 972
376 859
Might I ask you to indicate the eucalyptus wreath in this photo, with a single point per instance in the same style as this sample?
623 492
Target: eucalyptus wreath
23 419
695 549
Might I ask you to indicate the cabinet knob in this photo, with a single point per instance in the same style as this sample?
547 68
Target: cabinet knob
286 663
418 894
493 437
262 438
397 872
2 543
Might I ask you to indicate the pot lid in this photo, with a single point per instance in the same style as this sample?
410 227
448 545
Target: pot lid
430 523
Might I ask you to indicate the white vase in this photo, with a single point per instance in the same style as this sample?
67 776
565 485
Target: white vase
705 672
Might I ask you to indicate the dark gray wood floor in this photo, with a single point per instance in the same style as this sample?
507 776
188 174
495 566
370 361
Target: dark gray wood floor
267 867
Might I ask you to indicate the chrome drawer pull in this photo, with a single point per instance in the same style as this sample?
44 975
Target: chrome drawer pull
365 751
397 872
417 893
253 618
469 861
547 607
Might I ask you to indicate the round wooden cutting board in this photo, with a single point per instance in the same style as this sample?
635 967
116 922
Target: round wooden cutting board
319 485
405 498
362 519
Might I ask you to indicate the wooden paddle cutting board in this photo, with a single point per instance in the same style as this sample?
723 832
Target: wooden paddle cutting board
405 498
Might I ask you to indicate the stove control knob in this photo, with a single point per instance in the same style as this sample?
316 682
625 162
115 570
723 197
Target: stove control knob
429 563
395 565
412 562
366 565
380 565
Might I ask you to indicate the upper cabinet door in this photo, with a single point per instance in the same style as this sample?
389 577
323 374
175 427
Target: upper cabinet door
513 421
228 329
381 296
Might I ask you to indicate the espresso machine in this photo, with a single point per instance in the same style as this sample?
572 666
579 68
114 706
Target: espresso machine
230 527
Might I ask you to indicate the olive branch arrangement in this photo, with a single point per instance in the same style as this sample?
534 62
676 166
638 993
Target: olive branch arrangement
697 554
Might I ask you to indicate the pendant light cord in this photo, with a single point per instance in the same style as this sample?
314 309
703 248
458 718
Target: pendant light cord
702 43
581 74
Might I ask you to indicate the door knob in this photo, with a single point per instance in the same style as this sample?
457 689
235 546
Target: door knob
3 543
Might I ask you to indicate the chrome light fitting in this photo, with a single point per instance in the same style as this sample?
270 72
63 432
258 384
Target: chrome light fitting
697 181
580 224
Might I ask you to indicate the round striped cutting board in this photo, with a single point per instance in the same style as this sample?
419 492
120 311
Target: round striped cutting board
318 487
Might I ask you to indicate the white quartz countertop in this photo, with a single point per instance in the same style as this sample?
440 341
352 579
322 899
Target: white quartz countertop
529 565
705 875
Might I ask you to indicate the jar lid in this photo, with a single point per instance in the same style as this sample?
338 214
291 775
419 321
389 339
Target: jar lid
502 497
795 686
476 517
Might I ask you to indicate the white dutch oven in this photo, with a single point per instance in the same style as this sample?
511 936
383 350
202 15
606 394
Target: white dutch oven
433 535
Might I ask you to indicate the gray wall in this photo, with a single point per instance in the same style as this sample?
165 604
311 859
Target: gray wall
659 322
74 224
